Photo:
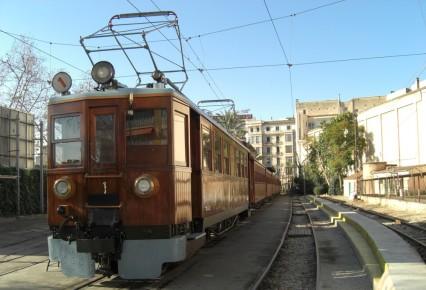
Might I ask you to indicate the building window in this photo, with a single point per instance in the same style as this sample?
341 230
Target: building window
257 129
289 161
268 139
278 139
257 139
288 170
288 127
258 150
288 149
268 150
278 149
288 137
278 161
268 129
277 128
251 129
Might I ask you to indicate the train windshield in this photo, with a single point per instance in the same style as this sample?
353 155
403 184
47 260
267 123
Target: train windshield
66 141
147 127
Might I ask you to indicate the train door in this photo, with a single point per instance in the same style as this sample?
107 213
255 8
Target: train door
103 179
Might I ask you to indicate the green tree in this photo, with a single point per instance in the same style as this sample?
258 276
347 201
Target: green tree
332 154
232 123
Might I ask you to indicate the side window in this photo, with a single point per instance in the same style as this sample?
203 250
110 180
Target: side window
207 148
238 162
226 153
218 154
180 133
147 127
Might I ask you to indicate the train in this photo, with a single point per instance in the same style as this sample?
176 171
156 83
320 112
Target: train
139 178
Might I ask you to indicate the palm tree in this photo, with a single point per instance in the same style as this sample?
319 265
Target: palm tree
232 123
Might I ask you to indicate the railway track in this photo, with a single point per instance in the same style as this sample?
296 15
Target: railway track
413 234
294 264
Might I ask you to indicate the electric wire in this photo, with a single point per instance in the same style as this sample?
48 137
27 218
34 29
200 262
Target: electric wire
423 68
328 61
226 29
186 57
196 55
42 51
283 52
190 37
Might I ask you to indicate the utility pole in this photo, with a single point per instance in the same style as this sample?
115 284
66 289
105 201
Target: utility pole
41 170
18 185
356 136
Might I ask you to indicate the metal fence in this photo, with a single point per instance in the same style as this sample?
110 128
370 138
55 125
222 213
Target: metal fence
411 187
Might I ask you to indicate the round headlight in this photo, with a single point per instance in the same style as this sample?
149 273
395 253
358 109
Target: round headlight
103 72
144 185
62 188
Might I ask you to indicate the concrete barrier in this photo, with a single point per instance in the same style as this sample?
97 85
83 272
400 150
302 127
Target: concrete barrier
391 262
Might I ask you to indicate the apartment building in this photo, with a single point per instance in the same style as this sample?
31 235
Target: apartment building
274 142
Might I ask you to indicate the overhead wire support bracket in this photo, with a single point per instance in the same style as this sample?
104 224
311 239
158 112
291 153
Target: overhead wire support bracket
128 35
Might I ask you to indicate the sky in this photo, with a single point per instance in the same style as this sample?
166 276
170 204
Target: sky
348 29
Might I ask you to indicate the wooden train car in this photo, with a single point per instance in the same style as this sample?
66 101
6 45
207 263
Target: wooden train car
137 177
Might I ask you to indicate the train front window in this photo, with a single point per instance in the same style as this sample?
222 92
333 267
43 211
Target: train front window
66 141
105 139
147 127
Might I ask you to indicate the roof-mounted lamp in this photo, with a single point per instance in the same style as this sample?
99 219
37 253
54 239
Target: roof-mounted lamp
103 72
61 83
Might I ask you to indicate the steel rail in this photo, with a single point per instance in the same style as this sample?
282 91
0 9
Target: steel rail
316 244
262 276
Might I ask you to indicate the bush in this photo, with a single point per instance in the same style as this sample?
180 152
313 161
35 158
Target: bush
321 189
335 186
29 192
